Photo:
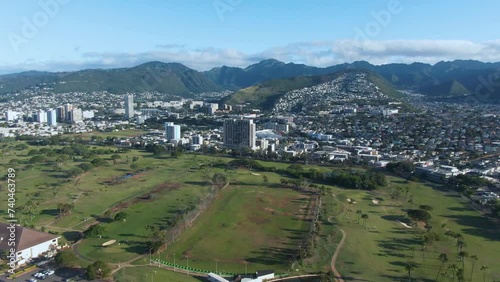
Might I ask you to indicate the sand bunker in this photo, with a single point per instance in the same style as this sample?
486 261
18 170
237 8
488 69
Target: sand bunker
404 224
376 202
253 173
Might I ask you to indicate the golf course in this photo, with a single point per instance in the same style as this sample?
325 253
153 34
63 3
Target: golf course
239 219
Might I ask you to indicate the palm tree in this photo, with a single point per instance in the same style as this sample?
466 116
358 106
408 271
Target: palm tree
409 266
474 258
454 269
460 244
411 201
364 217
484 268
462 255
443 258
358 214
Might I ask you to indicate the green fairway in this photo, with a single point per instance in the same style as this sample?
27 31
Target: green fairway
253 224
380 251
249 224
148 273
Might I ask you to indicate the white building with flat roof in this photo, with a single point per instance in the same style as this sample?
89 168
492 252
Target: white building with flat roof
129 106
51 117
172 131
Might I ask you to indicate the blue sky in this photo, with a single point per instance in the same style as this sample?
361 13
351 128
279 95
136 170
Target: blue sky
57 35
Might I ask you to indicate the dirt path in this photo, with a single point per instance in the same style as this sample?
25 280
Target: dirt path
338 277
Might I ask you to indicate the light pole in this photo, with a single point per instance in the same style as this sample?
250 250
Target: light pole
149 256
216 266
174 262
187 264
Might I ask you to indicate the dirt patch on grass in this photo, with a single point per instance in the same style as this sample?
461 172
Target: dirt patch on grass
147 197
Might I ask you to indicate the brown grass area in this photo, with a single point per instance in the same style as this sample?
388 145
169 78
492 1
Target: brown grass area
164 187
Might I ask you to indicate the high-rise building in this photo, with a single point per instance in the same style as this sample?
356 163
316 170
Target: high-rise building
41 117
11 115
75 115
67 110
239 133
51 117
129 106
60 114
172 131
197 140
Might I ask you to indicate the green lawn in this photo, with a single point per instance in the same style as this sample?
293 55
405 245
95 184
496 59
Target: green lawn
249 223
380 251
144 273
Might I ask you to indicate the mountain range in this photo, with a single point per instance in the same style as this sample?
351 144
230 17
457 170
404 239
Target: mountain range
443 80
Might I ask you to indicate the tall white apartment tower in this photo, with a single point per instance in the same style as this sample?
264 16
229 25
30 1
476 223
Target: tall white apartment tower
129 106
239 133
172 131
51 117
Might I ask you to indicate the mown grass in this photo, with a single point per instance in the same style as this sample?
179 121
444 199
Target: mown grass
144 273
380 251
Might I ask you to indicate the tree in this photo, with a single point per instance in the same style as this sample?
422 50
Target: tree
419 215
265 179
120 216
409 267
425 207
64 208
86 166
31 208
97 162
358 214
453 269
94 231
460 245
66 258
98 270
484 269
74 172
364 217
463 255
443 258
411 201
115 158
474 258
219 179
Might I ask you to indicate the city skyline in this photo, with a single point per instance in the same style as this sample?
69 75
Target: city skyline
57 35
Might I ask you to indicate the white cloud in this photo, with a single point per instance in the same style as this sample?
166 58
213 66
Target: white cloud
318 53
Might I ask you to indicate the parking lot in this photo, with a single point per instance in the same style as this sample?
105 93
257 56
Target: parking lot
59 274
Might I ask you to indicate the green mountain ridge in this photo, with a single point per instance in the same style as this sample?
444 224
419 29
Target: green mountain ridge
265 94
443 79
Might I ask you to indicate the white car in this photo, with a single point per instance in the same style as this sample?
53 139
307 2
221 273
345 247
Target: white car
48 272
32 280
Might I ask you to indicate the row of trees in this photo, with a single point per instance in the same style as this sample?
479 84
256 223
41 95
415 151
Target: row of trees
364 180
